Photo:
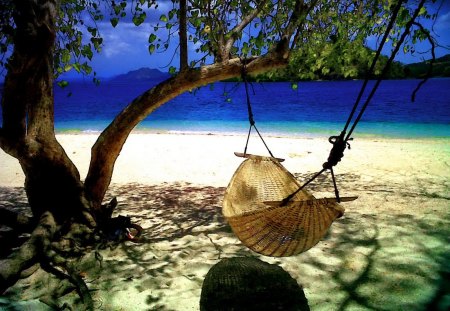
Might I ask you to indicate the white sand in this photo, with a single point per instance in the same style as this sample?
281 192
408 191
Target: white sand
390 251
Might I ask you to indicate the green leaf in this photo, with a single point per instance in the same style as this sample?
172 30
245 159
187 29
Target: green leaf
172 70
139 19
422 11
151 48
87 51
63 83
172 13
114 21
92 30
151 38
65 57
163 18
245 48
294 86
86 68
117 9
76 66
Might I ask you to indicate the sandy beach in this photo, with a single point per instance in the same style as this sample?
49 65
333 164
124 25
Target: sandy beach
390 251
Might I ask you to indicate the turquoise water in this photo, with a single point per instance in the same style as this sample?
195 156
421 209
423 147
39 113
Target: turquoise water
300 129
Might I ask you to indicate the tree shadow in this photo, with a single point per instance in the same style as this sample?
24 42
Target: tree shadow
12 199
376 257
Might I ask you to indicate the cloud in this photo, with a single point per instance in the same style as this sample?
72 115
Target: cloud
443 22
125 38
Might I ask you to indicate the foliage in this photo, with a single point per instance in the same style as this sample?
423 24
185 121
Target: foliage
350 60
327 43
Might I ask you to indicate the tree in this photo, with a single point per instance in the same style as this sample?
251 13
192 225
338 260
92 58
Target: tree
47 39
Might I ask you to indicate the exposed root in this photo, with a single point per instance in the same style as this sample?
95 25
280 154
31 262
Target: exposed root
64 270
26 256
52 247
29 271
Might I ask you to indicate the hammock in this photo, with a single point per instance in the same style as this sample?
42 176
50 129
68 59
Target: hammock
253 206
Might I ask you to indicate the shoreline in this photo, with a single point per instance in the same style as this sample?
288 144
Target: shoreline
273 134
205 158
289 129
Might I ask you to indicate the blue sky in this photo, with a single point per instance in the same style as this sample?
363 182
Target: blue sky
126 46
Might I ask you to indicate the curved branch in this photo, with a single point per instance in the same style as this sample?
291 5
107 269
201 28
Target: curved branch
109 144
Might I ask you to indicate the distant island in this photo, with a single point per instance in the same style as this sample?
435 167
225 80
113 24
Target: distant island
441 68
142 74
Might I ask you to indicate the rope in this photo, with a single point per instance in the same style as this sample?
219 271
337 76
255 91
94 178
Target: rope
388 63
374 61
251 119
340 143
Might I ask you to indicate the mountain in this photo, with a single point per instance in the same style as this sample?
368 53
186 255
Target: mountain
142 74
441 68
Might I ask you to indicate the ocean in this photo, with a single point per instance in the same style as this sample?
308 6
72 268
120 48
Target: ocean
313 109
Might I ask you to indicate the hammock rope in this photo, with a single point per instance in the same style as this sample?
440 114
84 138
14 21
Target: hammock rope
251 119
340 143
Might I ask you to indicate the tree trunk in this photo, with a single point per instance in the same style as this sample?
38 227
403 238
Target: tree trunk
52 182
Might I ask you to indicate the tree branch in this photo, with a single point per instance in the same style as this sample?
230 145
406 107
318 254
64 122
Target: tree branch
238 28
297 18
109 144
183 36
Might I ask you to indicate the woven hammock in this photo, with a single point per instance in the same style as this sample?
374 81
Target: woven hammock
253 207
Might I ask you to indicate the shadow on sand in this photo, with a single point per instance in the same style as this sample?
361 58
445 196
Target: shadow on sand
377 257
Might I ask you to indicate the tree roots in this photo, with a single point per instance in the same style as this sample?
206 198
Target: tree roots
57 250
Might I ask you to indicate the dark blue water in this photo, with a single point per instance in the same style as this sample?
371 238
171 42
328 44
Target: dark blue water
315 108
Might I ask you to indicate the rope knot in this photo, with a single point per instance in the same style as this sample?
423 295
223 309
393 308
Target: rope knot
337 151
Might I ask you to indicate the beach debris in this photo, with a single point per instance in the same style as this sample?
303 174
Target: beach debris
121 228
255 207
